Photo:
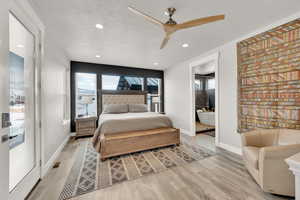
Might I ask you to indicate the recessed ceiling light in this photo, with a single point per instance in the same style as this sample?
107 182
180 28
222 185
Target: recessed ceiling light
156 63
98 56
185 45
99 26
20 46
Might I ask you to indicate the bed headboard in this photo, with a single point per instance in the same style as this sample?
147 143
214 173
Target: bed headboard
123 98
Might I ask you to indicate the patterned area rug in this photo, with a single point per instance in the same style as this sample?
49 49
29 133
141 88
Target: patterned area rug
89 173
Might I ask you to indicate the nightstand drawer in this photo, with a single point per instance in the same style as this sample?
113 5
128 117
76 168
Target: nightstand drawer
85 129
83 132
85 126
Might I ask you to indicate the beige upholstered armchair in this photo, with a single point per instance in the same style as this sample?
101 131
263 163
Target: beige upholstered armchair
264 152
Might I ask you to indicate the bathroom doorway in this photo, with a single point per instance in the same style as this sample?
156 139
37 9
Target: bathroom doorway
205 101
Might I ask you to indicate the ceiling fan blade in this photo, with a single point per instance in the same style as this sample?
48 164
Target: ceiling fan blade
147 17
164 42
200 21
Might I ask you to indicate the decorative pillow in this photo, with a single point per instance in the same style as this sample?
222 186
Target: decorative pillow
138 108
115 108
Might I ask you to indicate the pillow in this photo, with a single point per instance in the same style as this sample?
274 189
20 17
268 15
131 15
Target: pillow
138 108
115 108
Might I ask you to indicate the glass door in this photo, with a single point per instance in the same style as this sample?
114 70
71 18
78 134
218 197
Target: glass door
23 161
4 96
154 94
86 94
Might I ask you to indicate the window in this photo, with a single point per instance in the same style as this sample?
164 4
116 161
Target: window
154 94
17 104
112 82
211 84
86 94
198 85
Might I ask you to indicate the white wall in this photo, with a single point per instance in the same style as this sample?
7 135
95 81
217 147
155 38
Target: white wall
228 96
178 101
177 95
55 128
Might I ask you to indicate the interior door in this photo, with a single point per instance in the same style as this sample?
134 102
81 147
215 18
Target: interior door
24 167
4 102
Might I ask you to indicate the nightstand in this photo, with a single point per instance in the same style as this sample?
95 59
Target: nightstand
85 126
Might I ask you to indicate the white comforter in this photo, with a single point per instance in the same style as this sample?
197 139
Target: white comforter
126 122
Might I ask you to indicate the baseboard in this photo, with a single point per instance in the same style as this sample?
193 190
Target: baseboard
51 161
186 132
73 134
230 148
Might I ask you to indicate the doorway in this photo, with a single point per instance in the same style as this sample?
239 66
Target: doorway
24 111
204 95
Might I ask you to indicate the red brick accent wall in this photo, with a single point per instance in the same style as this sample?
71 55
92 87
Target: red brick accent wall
269 79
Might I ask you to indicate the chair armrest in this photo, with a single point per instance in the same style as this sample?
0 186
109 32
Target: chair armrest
260 137
274 173
251 138
279 152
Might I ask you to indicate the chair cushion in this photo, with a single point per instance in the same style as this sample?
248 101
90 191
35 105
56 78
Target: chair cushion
251 154
288 137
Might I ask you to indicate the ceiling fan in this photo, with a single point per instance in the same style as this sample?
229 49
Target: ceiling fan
171 25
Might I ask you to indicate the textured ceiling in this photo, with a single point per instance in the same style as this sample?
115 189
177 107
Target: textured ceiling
205 68
129 40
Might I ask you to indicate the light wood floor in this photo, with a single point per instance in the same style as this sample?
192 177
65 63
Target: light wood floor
203 127
220 177
205 141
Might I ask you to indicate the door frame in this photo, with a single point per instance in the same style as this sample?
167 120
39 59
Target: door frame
214 57
23 11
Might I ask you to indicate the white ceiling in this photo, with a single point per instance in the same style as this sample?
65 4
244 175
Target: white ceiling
129 40
205 68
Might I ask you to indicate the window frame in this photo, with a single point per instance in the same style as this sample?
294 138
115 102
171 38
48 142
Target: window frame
160 93
96 93
133 76
105 69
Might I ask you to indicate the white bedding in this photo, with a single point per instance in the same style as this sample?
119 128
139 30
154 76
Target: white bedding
123 122
126 122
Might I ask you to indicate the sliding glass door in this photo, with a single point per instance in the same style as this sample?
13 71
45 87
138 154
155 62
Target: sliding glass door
86 94
154 99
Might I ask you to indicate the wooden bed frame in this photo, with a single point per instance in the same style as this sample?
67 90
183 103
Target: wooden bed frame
129 142
134 141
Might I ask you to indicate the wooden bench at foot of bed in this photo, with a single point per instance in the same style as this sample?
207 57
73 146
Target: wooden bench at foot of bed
129 142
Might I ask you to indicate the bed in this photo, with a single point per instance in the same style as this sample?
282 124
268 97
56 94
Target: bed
207 118
127 132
